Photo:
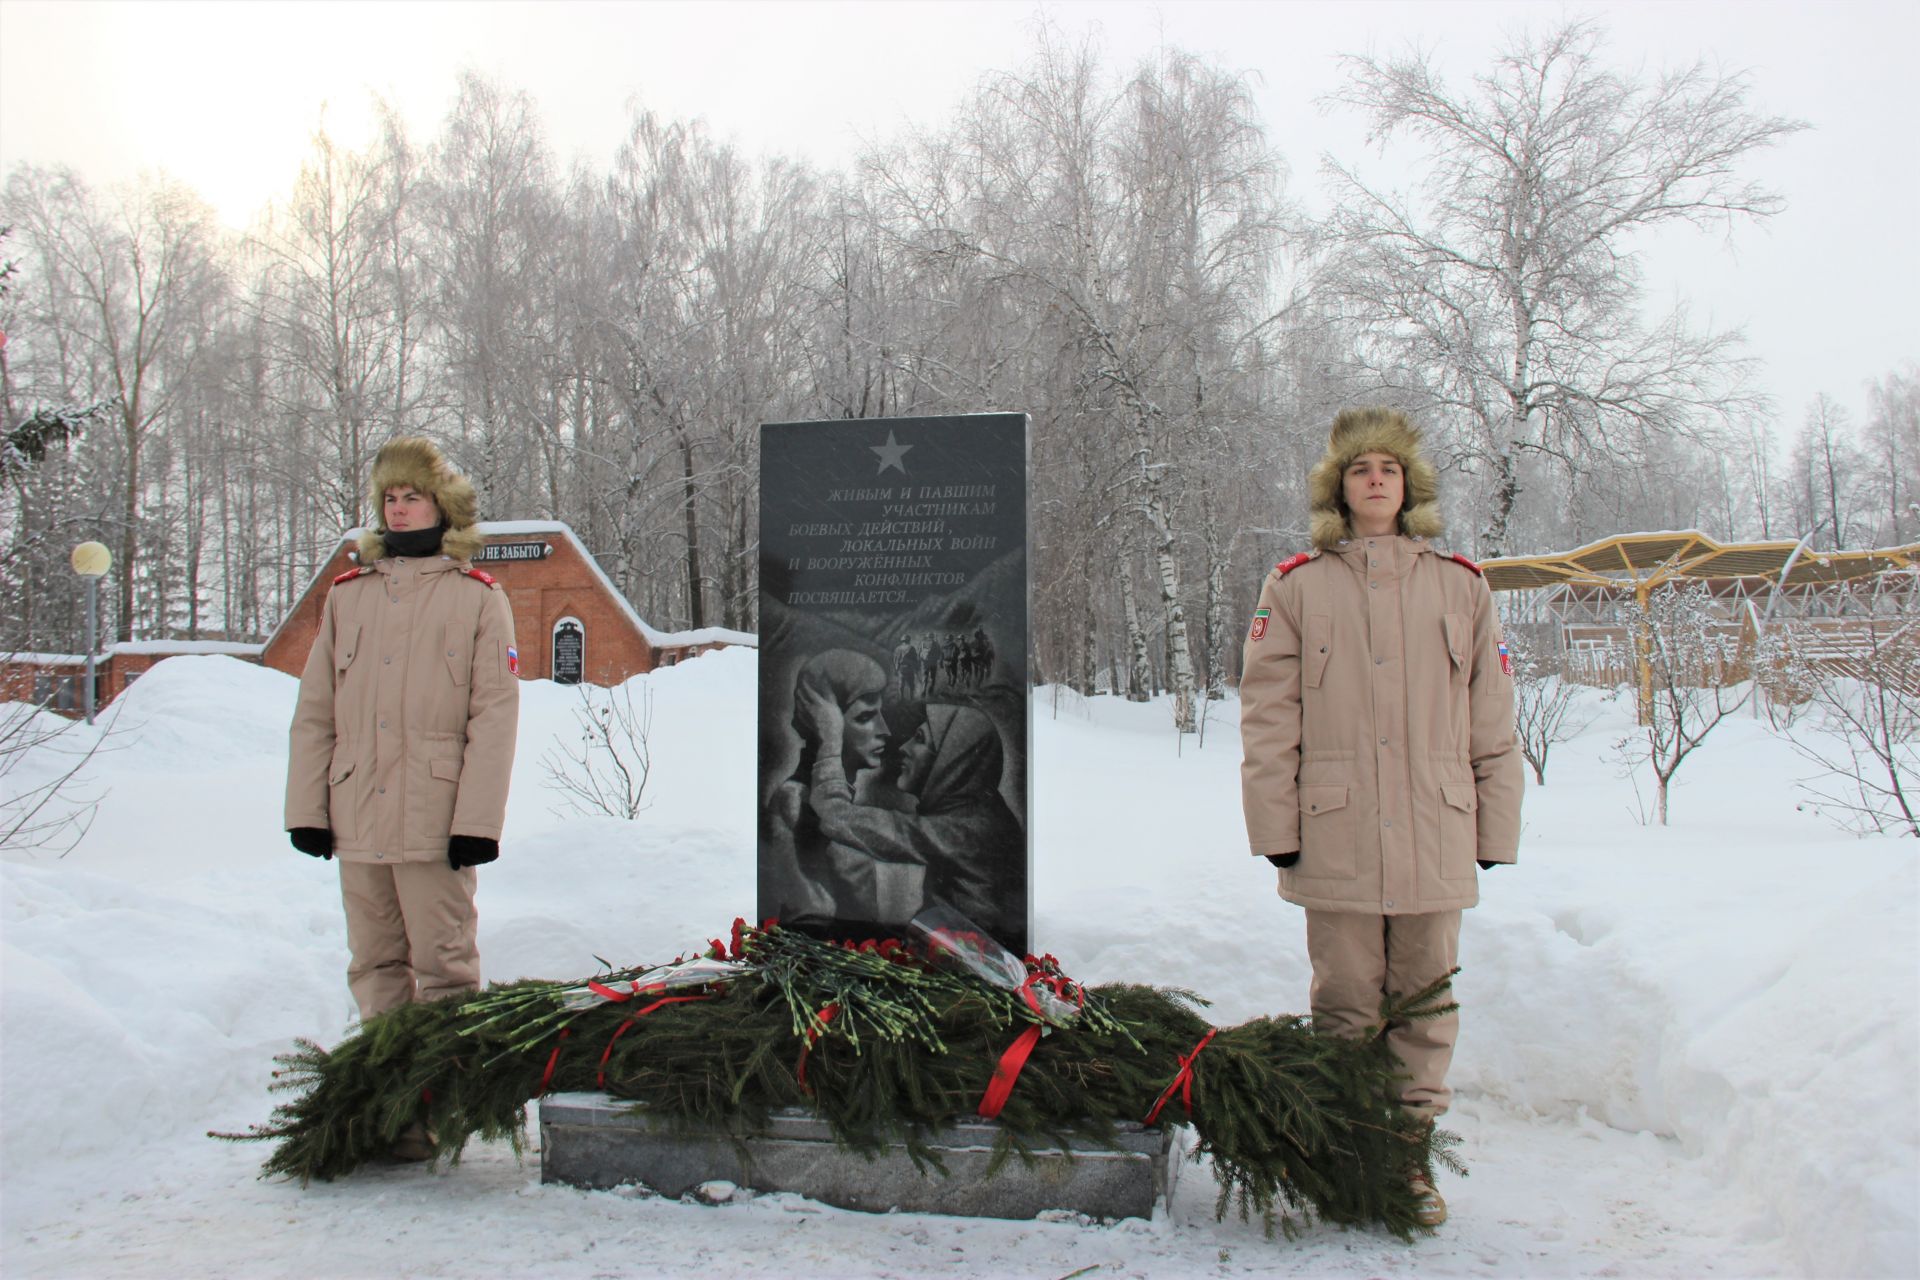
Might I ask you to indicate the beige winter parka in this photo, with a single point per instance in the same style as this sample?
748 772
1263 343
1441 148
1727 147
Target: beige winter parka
1377 720
404 729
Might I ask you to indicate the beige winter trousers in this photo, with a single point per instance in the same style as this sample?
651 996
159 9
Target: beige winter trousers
1358 958
412 932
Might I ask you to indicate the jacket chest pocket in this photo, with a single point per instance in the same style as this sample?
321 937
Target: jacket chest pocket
457 640
1313 660
346 643
1459 631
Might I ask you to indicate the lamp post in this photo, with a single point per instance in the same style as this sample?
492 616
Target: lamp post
91 561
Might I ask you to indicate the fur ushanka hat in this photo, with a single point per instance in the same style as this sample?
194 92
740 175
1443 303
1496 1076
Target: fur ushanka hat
418 464
1372 430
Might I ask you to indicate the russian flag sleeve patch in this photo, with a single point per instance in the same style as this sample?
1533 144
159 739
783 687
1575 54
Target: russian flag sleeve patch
513 661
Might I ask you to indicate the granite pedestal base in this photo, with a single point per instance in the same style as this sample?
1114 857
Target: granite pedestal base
592 1140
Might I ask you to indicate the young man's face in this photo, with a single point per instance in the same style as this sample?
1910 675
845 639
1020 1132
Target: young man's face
407 508
866 731
1374 488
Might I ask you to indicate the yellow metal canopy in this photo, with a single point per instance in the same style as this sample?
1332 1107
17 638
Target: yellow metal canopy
1647 559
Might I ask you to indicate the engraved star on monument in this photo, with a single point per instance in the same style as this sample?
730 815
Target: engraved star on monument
891 454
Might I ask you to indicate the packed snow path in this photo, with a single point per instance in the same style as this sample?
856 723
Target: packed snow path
1553 1199
1686 1052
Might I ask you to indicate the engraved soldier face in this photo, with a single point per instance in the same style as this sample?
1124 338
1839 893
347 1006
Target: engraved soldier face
1374 488
866 733
405 507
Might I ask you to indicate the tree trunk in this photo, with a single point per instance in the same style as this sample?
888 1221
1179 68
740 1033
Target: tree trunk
1506 493
1140 671
130 514
1089 650
1216 627
1179 657
695 612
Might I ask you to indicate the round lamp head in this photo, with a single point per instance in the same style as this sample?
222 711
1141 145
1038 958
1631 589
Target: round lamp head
91 559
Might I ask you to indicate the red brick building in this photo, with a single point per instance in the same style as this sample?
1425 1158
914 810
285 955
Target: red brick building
58 680
570 623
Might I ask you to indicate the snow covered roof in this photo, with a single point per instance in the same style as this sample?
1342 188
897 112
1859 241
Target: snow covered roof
172 648
711 635
559 529
154 648
1657 556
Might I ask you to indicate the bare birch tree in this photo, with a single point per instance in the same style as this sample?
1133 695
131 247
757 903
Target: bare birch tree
131 280
1504 296
335 300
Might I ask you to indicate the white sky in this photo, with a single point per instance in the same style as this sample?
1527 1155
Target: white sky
224 96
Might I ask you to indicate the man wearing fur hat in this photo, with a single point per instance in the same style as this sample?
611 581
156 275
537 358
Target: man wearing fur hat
1381 764
403 736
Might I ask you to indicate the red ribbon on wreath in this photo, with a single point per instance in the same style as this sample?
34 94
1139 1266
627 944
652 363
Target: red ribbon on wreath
1061 985
600 1077
1006 1072
553 1060
825 1016
608 993
1182 1080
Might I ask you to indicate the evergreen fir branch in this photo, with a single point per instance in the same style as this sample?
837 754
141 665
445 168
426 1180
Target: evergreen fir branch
1297 1125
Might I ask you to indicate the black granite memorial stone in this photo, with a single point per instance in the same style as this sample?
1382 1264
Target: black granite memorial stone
893 674
569 651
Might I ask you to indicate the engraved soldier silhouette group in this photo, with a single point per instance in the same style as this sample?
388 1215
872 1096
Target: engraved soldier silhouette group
951 661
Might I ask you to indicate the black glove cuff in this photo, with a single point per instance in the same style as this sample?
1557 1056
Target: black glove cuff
1284 859
1486 865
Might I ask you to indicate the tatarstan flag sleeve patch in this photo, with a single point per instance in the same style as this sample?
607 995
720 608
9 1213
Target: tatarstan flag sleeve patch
1260 617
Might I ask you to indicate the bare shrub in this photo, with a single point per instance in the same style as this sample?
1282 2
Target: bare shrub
605 770
1869 703
44 804
1544 703
1691 661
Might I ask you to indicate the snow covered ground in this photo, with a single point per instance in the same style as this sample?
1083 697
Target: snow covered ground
1687 1052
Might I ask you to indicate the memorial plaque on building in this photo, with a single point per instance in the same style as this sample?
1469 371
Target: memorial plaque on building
569 651
893 674
512 551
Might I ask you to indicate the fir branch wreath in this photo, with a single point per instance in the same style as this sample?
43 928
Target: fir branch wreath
887 1042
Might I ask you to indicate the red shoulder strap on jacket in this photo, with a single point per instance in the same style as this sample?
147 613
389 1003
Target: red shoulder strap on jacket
351 574
1288 565
487 578
1457 558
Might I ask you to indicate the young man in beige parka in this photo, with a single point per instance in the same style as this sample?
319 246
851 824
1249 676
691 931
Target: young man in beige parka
403 736
1377 724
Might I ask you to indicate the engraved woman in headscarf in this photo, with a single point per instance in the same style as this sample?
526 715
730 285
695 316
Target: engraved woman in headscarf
961 833
797 878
